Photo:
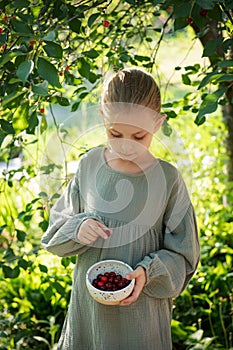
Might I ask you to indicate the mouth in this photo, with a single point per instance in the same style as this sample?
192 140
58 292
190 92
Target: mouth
126 155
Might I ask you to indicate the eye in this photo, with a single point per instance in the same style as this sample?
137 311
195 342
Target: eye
139 137
114 135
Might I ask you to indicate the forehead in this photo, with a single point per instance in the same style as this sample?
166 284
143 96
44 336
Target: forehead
137 118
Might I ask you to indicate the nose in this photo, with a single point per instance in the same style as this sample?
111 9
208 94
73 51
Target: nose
126 146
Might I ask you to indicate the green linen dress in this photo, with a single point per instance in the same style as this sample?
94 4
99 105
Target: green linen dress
153 225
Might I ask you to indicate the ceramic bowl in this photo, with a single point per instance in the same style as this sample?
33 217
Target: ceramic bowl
109 297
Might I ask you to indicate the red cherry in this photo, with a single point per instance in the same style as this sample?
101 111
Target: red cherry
1 30
189 20
67 68
100 283
42 110
169 9
3 47
61 74
203 12
5 19
106 24
110 281
104 279
32 42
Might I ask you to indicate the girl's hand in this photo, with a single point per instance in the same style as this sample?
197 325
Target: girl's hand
140 279
91 229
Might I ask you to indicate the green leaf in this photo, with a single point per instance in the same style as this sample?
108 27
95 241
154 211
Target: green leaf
180 23
50 36
9 254
224 77
7 100
43 268
182 9
20 27
75 25
209 104
23 263
21 235
92 19
227 44
43 124
48 293
65 261
200 120
26 18
84 68
141 58
7 57
185 79
225 64
9 272
20 116
91 53
53 50
59 288
170 114
41 88
7 126
63 101
33 122
24 69
166 128
41 339
47 71
211 47
19 4
3 38
209 77
206 4
2 137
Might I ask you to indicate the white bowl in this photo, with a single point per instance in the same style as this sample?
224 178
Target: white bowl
109 297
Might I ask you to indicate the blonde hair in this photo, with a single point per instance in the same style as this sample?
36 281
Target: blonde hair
132 86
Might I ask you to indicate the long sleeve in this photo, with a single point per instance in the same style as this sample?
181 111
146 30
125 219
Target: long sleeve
169 270
66 216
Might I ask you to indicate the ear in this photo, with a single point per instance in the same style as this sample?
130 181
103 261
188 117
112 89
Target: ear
159 122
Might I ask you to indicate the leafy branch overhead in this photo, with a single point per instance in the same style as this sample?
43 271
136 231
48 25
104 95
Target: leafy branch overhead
46 47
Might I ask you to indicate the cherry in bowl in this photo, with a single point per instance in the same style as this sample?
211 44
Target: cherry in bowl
106 281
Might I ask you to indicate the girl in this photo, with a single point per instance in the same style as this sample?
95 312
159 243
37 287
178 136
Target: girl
125 204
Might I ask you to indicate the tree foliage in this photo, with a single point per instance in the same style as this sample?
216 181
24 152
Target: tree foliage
57 53
47 46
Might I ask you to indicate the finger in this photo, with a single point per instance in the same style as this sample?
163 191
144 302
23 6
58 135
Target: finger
96 230
132 298
135 294
107 230
132 275
85 240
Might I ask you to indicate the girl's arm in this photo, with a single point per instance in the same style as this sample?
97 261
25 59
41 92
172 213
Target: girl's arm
65 220
169 270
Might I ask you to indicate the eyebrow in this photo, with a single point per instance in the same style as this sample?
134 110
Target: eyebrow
136 133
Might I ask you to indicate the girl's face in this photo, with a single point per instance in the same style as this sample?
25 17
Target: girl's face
130 136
